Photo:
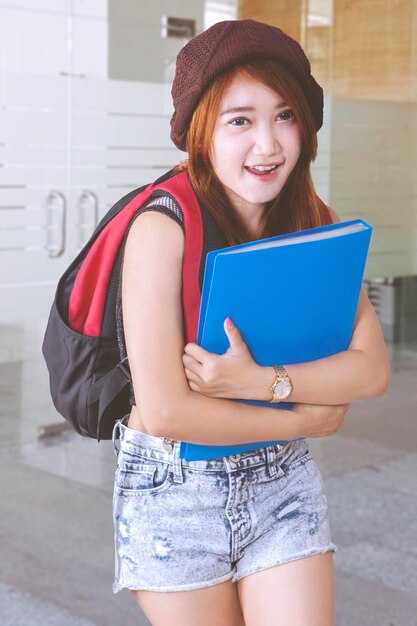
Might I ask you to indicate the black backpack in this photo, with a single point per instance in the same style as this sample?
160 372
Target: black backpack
84 346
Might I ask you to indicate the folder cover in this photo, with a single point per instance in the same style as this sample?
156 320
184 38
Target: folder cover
293 297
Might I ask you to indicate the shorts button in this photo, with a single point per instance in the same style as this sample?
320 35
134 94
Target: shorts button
236 457
168 444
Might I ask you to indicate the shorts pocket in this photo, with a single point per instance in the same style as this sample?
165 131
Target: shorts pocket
298 453
137 476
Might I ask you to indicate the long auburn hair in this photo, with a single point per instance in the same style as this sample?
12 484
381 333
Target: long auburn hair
297 207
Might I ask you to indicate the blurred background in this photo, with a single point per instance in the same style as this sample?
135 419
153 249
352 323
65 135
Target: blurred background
85 106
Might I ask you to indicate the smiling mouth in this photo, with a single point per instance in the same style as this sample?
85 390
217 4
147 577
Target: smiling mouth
261 170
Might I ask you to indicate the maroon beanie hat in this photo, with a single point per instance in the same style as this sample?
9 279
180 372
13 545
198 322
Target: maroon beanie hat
226 44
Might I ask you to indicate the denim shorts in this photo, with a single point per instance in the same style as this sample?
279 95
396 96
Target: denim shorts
182 525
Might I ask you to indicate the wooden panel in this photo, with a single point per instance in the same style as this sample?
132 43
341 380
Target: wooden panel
285 14
373 50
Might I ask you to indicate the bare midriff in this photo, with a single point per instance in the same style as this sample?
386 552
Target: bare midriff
136 422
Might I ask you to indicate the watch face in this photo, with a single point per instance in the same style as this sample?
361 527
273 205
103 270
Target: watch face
282 390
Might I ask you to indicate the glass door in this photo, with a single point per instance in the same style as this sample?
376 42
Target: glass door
85 106
34 154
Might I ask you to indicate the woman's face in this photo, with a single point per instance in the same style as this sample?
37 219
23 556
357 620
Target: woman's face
255 145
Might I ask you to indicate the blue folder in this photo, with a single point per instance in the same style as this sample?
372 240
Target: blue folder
293 298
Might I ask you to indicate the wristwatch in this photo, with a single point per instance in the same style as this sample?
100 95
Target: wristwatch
282 385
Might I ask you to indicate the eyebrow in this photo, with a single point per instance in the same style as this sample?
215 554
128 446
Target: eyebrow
246 109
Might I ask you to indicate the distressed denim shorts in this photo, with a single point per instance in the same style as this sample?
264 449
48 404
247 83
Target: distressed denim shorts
182 525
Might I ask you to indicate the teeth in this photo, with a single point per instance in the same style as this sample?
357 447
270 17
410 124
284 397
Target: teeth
264 168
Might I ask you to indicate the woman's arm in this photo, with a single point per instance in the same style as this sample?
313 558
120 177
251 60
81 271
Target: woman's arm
153 325
360 372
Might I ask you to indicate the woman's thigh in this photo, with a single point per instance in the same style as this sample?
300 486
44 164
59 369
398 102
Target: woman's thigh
297 593
217 605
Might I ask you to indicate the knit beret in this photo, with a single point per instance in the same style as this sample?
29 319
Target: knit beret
226 44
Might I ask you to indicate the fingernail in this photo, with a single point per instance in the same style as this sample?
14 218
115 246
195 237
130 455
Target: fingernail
229 322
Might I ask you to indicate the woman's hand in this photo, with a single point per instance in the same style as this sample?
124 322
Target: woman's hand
318 420
229 375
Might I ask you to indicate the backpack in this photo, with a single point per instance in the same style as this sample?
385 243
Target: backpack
83 345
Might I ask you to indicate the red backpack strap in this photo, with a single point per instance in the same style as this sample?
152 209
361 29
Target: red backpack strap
180 188
88 296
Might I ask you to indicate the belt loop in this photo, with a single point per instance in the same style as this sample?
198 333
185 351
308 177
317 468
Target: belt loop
116 435
271 461
177 464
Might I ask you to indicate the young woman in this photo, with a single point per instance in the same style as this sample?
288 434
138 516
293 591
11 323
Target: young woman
242 539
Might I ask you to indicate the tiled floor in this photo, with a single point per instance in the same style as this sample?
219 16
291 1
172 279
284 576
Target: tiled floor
56 565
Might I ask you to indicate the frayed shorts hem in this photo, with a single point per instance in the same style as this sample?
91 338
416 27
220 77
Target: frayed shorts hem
331 547
190 587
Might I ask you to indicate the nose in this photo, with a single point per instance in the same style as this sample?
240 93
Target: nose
266 141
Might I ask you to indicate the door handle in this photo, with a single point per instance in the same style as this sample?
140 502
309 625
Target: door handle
87 206
56 208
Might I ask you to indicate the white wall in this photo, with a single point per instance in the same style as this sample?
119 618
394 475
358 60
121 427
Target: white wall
136 49
372 176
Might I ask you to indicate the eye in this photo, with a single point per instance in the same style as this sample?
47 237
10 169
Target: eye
286 116
239 121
